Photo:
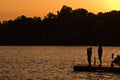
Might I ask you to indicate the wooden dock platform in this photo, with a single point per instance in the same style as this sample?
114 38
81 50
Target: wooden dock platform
85 68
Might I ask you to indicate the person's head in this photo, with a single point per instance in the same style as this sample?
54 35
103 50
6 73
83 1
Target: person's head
118 56
100 46
90 48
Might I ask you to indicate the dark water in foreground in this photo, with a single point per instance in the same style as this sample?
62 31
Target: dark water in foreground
51 63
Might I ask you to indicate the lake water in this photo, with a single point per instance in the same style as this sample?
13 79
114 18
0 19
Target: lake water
51 63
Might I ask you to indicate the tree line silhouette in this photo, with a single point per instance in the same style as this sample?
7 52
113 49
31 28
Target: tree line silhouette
67 27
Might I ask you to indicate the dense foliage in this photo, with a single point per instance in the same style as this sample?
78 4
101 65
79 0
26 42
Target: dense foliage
67 27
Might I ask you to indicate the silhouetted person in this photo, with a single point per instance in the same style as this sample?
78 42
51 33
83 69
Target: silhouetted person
100 50
89 54
116 60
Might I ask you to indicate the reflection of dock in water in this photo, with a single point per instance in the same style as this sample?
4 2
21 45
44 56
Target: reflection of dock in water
85 68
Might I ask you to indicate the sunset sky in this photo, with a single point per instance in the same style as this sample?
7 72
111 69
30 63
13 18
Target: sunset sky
10 9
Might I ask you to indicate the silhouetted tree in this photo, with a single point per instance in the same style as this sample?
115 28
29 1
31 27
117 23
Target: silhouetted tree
65 11
68 26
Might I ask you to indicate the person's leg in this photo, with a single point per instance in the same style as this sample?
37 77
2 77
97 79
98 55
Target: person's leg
89 61
100 58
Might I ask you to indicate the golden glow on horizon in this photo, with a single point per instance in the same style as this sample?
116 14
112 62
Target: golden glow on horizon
114 4
10 9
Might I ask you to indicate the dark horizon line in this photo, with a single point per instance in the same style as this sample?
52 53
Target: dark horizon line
54 45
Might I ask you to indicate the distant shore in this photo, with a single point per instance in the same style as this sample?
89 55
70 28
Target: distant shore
76 27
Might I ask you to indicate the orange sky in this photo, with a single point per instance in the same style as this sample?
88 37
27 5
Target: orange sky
10 9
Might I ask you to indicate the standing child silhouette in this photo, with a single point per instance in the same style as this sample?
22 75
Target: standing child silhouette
89 54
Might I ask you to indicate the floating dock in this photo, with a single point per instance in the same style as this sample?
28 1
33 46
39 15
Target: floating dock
85 68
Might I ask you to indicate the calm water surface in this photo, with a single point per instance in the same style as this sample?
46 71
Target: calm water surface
51 63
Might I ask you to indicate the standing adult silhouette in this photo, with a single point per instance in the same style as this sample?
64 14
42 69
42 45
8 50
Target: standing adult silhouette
100 50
